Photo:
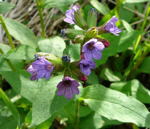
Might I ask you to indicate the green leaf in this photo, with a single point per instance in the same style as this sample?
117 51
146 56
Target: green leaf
102 8
96 121
133 88
54 45
115 105
68 112
74 52
60 4
8 122
145 66
127 26
84 111
100 121
135 1
90 122
42 94
125 14
10 105
22 53
107 74
46 125
92 18
93 79
21 33
5 48
117 44
5 7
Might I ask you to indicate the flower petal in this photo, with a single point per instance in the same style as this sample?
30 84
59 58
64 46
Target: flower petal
97 54
75 90
68 93
61 91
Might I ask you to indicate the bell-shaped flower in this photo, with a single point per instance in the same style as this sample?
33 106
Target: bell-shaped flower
41 68
111 27
68 87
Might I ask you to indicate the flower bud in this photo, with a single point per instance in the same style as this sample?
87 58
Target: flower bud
79 19
92 18
91 33
83 78
105 42
62 33
66 58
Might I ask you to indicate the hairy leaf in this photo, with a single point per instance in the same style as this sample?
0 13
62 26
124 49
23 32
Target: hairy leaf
115 105
133 88
54 45
40 93
21 33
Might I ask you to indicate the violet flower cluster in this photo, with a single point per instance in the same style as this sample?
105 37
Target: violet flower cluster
91 51
41 68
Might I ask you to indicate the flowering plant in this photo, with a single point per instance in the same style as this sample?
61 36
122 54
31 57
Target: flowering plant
85 74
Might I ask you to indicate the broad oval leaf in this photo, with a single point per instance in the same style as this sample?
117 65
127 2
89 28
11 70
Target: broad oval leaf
21 33
133 88
115 105
54 45
23 52
42 94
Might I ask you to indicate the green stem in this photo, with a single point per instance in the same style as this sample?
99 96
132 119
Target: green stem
10 106
137 60
139 52
8 61
7 33
77 114
142 28
40 10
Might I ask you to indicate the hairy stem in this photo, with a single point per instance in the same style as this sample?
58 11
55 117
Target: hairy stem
7 33
142 28
40 12
8 61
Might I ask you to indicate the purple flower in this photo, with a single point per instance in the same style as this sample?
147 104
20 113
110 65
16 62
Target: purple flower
92 49
111 27
70 14
68 87
41 68
86 66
